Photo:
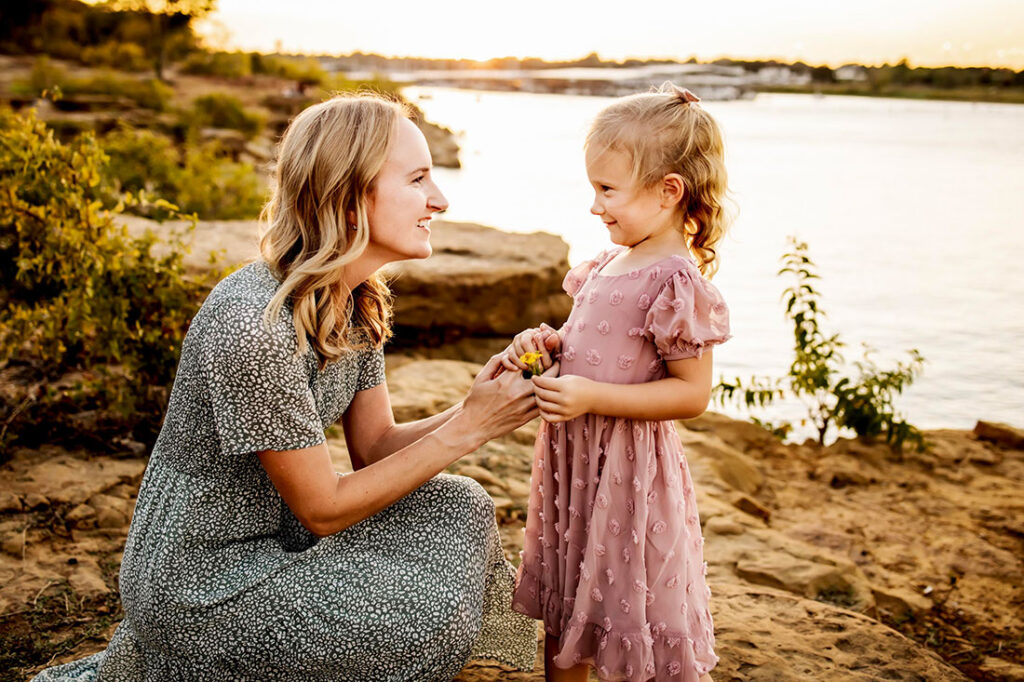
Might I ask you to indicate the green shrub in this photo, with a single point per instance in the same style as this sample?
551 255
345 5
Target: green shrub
305 69
149 93
82 298
206 182
217 188
141 160
117 55
46 78
223 64
225 111
834 399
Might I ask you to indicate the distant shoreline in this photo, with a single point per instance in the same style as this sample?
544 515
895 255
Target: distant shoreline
938 94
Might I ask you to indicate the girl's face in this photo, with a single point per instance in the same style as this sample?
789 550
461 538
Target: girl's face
631 213
404 198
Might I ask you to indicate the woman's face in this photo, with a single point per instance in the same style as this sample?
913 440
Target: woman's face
404 198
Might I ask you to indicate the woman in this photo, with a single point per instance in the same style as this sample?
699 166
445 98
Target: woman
248 557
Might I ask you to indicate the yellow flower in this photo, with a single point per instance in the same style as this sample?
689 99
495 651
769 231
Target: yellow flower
532 359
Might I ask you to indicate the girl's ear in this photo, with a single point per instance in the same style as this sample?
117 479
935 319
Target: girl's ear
673 190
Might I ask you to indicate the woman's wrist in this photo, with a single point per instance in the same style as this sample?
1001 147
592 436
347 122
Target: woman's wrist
461 433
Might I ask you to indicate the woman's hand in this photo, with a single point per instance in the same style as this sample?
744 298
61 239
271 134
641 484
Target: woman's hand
499 402
543 339
563 398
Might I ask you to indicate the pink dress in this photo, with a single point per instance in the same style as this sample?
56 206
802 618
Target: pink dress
612 559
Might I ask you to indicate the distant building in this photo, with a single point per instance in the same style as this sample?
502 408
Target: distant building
851 72
782 75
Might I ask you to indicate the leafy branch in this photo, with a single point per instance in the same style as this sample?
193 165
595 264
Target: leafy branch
818 377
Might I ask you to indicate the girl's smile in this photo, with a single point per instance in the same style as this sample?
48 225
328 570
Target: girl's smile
631 213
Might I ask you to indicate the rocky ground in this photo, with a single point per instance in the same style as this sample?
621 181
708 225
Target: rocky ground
846 562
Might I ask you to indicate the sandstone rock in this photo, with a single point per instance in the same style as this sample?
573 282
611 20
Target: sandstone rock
751 506
1001 434
444 150
87 579
1000 669
733 467
723 526
14 544
842 583
65 479
874 454
35 501
481 476
82 516
949 448
479 282
111 512
843 470
899 603
518 490
9 502
424 388
500 501
773 636
123 491
745 436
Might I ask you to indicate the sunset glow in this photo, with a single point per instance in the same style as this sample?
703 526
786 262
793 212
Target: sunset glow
927 32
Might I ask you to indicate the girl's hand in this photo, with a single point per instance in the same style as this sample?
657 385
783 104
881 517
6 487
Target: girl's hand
543 340
563 398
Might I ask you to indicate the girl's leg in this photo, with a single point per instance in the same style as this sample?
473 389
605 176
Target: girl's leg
706 678
577 673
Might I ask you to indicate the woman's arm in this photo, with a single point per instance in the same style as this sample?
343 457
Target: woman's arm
682 395
326 503
370 429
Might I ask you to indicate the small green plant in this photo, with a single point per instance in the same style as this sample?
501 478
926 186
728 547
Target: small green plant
818 376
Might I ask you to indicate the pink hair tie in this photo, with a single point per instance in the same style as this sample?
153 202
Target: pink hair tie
687 96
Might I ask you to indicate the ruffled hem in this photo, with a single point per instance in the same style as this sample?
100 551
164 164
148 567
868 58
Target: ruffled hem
633 656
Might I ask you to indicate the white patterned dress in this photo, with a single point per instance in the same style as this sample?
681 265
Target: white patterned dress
219 581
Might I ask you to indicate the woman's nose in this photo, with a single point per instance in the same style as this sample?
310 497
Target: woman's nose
436 200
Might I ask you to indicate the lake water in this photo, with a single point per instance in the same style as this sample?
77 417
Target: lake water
912 211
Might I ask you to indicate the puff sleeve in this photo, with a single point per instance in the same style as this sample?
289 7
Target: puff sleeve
575 278
371 370
259 390
687 316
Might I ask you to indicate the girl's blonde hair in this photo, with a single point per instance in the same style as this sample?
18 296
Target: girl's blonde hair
316 222
664 132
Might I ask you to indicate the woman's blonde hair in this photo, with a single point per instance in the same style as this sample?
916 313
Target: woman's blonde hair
316 222
664 132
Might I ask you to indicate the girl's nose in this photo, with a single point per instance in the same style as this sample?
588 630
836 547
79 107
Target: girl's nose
596 207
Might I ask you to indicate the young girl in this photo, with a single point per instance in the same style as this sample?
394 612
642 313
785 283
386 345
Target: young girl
612 561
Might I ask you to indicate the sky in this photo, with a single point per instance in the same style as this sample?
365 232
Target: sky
834 32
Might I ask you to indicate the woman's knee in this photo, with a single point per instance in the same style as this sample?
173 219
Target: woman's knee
465 491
